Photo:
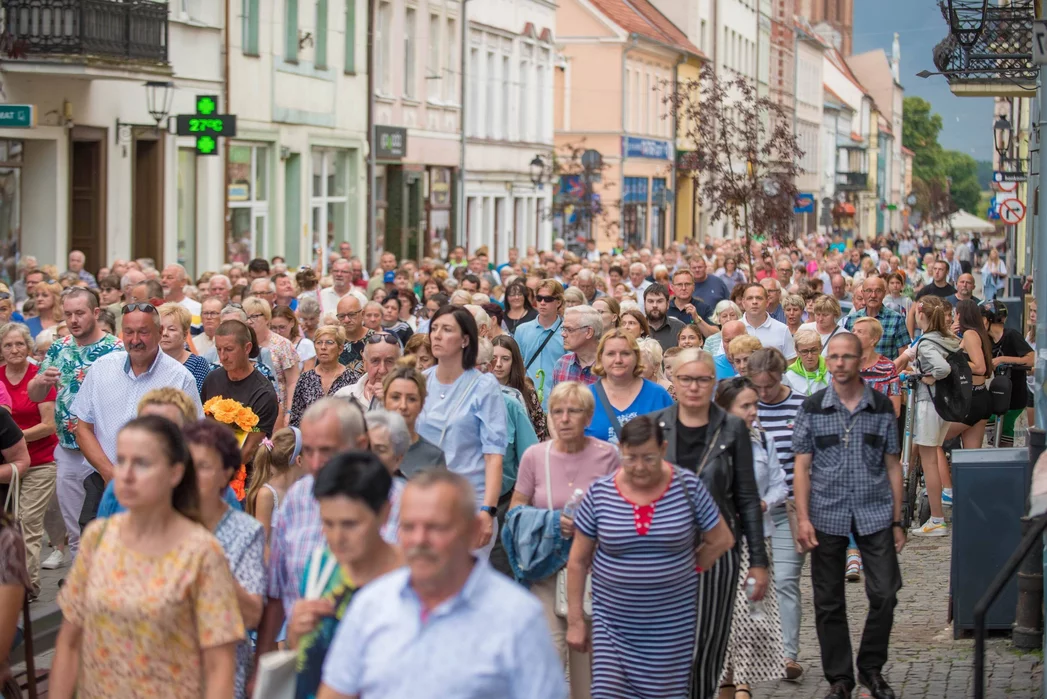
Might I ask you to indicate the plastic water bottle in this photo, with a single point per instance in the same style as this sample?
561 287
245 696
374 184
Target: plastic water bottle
572 505
757 610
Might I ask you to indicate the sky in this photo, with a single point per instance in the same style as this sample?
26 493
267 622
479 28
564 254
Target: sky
966 121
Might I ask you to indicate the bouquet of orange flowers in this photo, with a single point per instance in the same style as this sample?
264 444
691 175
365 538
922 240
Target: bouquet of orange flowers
242 420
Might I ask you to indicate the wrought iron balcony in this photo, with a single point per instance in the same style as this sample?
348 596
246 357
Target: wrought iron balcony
109 29
997 48
851 181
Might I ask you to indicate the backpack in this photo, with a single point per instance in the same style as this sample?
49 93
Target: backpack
952 394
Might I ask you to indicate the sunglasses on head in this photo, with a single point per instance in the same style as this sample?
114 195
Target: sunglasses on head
375 338
143 307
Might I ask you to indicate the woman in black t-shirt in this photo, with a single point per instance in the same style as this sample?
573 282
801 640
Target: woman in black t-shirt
1009 347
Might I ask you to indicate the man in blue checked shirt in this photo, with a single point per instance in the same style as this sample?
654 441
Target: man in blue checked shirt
848 480
448 625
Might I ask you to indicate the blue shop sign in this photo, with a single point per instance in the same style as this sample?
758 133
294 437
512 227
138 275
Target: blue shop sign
804 204
633 147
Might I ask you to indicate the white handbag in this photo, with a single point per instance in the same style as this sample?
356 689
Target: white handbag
277 676
560 607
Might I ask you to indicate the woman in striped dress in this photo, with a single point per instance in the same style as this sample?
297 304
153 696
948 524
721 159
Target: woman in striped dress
648 518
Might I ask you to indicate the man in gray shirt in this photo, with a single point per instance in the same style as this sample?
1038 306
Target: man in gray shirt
848 480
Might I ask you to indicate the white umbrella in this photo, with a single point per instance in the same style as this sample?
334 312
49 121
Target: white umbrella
964 222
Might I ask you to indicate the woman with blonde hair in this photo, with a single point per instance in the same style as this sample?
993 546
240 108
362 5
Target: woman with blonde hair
621 393
48 303
175 321
285 357
793 306
326 378
275 469
651 351
573 296
739 351
826 312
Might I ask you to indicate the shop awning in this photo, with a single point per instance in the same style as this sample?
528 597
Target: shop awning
844 209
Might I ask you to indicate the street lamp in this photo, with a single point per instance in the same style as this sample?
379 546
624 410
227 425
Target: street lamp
538 172
1004 134
158 98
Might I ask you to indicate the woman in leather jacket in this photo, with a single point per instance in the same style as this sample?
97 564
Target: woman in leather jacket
704 439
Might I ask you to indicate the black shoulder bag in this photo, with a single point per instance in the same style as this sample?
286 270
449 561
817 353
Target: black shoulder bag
545 342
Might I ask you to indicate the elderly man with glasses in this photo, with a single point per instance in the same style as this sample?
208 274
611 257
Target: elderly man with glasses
350 315
582 329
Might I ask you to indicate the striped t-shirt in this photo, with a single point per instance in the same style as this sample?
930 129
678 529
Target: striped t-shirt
777 420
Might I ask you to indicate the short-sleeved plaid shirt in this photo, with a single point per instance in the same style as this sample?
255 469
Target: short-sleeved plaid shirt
895 335
849 487
569 369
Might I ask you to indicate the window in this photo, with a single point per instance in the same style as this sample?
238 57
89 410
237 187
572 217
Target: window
701 37
410 23
291 31
329 203
450 79
433 69
187 209
490 108
506 81
320 52
473 92
634 211
249 9
248 192
540 101
645 104
524 92
350 36
381 54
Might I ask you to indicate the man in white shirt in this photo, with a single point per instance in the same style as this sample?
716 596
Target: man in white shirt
173 280
770 332
637 282
342 274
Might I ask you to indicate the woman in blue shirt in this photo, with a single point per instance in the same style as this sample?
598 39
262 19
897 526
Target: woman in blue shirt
464 413
621 387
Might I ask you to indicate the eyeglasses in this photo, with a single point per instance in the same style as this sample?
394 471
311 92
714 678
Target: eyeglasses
210 314
567 331
571 412
646 459
143 307
325 343
256 316
688 381
346 316
809 351
4 296
843 357
542 298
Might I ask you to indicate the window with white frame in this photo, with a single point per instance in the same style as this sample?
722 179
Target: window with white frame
434 67
329 200
523 106
450 79
490 128
473 93
381 42
542 102
506 89
410 42
248 193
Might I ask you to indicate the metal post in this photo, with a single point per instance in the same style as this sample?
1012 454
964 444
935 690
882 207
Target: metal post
1039 225
462 94
1027 632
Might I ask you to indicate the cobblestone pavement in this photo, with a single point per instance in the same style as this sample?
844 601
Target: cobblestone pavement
925 661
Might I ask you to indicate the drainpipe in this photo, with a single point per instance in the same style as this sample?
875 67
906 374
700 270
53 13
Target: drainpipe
372 139
226 97
464 29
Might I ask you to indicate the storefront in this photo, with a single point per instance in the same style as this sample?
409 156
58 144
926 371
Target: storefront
647 195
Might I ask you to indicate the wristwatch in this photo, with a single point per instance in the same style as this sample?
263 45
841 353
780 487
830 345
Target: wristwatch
489 510
898 525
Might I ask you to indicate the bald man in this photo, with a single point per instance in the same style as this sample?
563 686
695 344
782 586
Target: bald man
730 330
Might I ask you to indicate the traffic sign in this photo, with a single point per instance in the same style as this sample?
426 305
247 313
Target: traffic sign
1006 186
1039 42
1009 176
1012 211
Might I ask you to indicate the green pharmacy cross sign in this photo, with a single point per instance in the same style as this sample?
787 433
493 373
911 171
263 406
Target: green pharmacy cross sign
206 125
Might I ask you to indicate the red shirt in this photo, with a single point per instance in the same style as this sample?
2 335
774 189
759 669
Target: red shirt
27 414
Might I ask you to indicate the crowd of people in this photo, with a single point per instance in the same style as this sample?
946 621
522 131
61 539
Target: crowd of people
585 474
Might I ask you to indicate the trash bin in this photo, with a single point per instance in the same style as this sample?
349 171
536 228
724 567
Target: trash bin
990 487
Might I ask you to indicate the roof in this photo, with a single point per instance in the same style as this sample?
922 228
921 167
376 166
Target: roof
838 61
642 18
908 152
835 97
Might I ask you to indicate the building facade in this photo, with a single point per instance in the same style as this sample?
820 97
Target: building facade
511 57
417 139
839 14
297 176
625 119
809 118
93 169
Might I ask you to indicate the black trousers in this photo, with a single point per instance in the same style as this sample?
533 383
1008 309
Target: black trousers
883 579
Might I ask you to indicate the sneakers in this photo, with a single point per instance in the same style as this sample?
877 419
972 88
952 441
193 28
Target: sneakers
854 568
55 561
930 528
946 497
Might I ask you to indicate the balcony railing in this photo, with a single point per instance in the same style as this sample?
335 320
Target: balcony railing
851 181
123 29
1002 50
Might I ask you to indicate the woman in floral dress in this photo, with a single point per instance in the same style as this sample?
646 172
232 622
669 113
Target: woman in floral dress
150 607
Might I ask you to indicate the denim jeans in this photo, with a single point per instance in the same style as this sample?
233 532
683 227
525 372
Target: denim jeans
787 567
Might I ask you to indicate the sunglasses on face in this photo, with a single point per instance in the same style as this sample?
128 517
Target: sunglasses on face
143 307
541 298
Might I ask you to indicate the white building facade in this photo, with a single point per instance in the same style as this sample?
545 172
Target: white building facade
809 94
94 171
510 60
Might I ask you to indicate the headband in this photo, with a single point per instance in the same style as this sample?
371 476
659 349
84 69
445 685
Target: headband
297 444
